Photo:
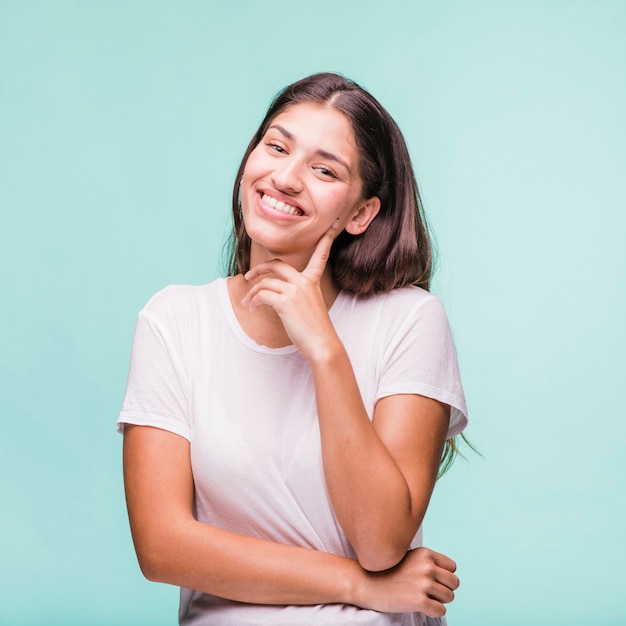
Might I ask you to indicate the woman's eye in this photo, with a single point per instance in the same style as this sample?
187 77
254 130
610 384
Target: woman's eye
326 172
275 147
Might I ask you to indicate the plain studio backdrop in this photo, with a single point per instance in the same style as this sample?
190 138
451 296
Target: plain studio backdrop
121 127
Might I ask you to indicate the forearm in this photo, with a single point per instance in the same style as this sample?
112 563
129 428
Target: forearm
254 571
369 493
245 569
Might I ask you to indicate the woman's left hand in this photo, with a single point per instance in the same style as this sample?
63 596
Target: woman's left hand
297 298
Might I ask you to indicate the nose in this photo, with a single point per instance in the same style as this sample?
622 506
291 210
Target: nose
287 176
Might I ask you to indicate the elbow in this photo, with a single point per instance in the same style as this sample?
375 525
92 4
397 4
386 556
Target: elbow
377 552
381 560
158 549
152 559
150 565
382 545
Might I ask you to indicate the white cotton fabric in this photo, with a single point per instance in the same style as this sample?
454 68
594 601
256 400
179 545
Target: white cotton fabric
249 414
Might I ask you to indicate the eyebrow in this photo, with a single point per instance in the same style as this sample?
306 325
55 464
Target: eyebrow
323 153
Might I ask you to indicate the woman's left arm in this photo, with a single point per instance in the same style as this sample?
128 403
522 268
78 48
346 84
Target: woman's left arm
380 475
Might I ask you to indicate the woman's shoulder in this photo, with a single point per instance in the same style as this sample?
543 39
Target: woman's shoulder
401 300
393 313
177 300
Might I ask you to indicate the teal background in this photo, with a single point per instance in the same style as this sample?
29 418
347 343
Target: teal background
121 127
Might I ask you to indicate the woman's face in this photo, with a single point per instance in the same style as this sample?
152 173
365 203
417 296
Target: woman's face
301 177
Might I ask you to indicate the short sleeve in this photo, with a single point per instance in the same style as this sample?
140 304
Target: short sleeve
157 389
420 358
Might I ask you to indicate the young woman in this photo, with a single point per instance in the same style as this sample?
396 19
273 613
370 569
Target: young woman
284 427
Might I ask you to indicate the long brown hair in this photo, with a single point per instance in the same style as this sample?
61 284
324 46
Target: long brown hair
396 248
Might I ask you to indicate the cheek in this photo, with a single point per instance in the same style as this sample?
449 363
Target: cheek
333 196
251 173
341 204
253 164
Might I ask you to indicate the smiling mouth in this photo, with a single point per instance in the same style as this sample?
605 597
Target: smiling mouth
281 206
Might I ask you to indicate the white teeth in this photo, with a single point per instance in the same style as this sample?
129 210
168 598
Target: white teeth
281 206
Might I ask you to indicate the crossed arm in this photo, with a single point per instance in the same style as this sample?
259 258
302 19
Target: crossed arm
173 547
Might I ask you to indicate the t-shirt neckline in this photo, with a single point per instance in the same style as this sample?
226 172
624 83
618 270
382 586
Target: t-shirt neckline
235 326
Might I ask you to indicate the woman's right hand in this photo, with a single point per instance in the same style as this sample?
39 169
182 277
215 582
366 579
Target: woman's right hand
423 581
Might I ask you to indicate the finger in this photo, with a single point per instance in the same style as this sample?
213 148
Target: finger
269 297
443 561
276 267
266 284
443 588
446 578
433 608
318 260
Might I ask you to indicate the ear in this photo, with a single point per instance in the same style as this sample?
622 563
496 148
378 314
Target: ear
363 216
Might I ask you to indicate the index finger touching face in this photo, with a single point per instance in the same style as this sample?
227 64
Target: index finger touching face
319 259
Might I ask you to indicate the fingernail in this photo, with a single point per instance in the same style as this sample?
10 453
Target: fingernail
336 224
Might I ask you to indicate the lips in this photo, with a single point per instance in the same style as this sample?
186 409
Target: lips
281 206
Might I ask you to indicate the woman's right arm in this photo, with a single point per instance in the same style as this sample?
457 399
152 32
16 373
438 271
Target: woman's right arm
173 547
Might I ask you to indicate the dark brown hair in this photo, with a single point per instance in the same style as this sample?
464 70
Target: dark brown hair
396 248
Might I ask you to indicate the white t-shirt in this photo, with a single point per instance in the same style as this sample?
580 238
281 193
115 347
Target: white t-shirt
249 414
